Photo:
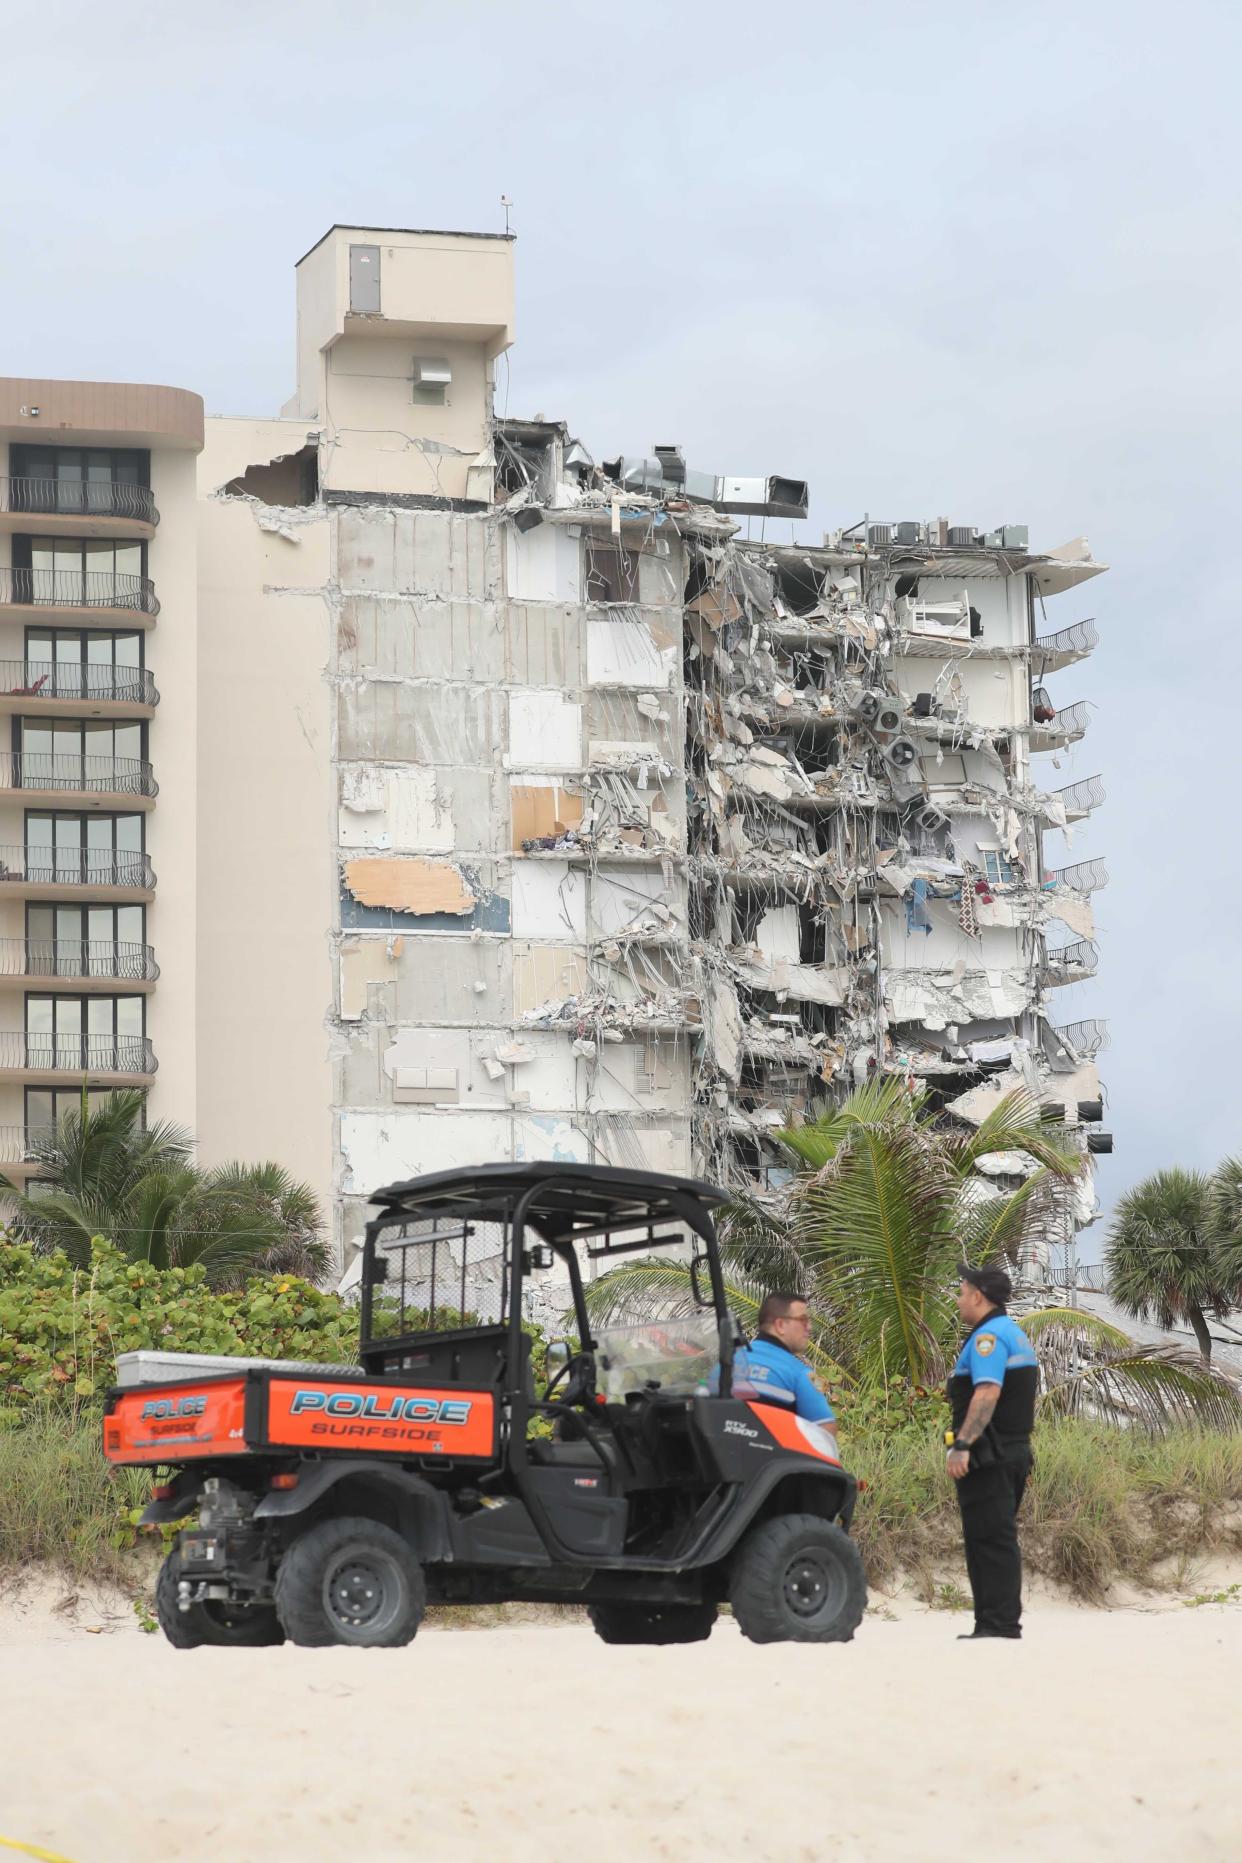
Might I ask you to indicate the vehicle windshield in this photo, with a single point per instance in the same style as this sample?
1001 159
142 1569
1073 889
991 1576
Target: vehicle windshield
674 1355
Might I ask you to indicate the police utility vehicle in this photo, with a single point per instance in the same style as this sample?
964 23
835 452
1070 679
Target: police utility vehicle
332 1504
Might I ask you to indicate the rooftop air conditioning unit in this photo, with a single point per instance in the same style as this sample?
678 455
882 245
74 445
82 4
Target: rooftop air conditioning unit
1015 536
879 536
907 533
961 537
901 753
1090 1111
1099 1142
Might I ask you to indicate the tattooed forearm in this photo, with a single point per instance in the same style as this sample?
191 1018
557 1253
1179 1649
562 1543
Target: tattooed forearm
977 1418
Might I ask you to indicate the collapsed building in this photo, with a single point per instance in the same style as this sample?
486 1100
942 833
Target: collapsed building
816 855
517 802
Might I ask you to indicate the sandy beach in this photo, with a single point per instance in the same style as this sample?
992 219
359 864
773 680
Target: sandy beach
1104 1734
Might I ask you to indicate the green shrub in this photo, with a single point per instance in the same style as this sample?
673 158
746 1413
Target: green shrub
1104 1506
61 1329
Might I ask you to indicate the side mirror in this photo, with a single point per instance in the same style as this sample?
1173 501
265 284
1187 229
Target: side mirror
701 1299
555 1359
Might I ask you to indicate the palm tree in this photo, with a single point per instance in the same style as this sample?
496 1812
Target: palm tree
101 1172
887 1203
1175 1249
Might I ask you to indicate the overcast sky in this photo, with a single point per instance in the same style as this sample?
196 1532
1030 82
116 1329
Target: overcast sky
958 259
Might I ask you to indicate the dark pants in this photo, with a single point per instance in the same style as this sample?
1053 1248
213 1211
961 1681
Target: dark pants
989 1498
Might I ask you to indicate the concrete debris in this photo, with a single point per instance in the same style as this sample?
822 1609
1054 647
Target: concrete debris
781 801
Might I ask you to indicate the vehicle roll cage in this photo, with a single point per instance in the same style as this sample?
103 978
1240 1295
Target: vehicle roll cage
566 1205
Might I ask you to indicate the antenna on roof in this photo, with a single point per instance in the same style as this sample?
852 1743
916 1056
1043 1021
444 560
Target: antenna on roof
506 202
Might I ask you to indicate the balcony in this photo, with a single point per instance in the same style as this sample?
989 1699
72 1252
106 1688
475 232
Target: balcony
93 965
1064 727
17 1149
77 689
1071 963
98 782
1079 799
1085 876
1050 652
50 1059
91 597
78 507
75 873
1082 1041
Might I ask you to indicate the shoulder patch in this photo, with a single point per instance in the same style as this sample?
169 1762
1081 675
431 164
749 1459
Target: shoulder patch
984 1343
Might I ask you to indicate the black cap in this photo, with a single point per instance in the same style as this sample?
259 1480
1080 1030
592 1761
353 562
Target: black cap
993 1283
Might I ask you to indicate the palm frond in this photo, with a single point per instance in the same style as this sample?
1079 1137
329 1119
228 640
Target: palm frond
992 1227
1016 1124
883 1249
1091 1369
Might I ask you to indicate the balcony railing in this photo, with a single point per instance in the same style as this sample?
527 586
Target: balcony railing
74 679
1087 1039
1081 959
125 776
1080 798
75 866
76 588
1081 637
1085 876
84 497
77 957
1066 724
75 1054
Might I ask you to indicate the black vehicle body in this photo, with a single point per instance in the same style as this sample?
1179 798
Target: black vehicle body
637 1502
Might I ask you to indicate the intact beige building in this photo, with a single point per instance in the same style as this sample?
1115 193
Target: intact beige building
98 604
511 805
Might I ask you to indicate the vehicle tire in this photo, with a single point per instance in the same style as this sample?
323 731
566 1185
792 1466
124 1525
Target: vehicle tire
212 1623
350 1581
652 1623
798 1579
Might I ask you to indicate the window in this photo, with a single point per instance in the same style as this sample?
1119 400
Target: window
82 753
45 1106
68 663
86 941
80 1032
74 478
85 849
997 866
82 571
611 573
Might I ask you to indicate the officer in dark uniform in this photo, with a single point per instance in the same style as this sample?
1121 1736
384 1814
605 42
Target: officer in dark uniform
992 1393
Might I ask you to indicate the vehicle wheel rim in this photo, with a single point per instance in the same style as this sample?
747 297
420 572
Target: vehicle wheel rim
811 1586
362 1592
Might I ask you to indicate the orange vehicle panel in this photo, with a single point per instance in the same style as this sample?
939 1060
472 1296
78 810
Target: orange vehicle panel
410 1420
177 1422
790 1432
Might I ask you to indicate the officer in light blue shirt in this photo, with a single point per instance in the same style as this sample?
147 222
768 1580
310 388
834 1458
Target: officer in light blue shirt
771 1370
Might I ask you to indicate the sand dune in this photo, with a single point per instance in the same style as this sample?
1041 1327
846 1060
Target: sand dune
1104 1734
